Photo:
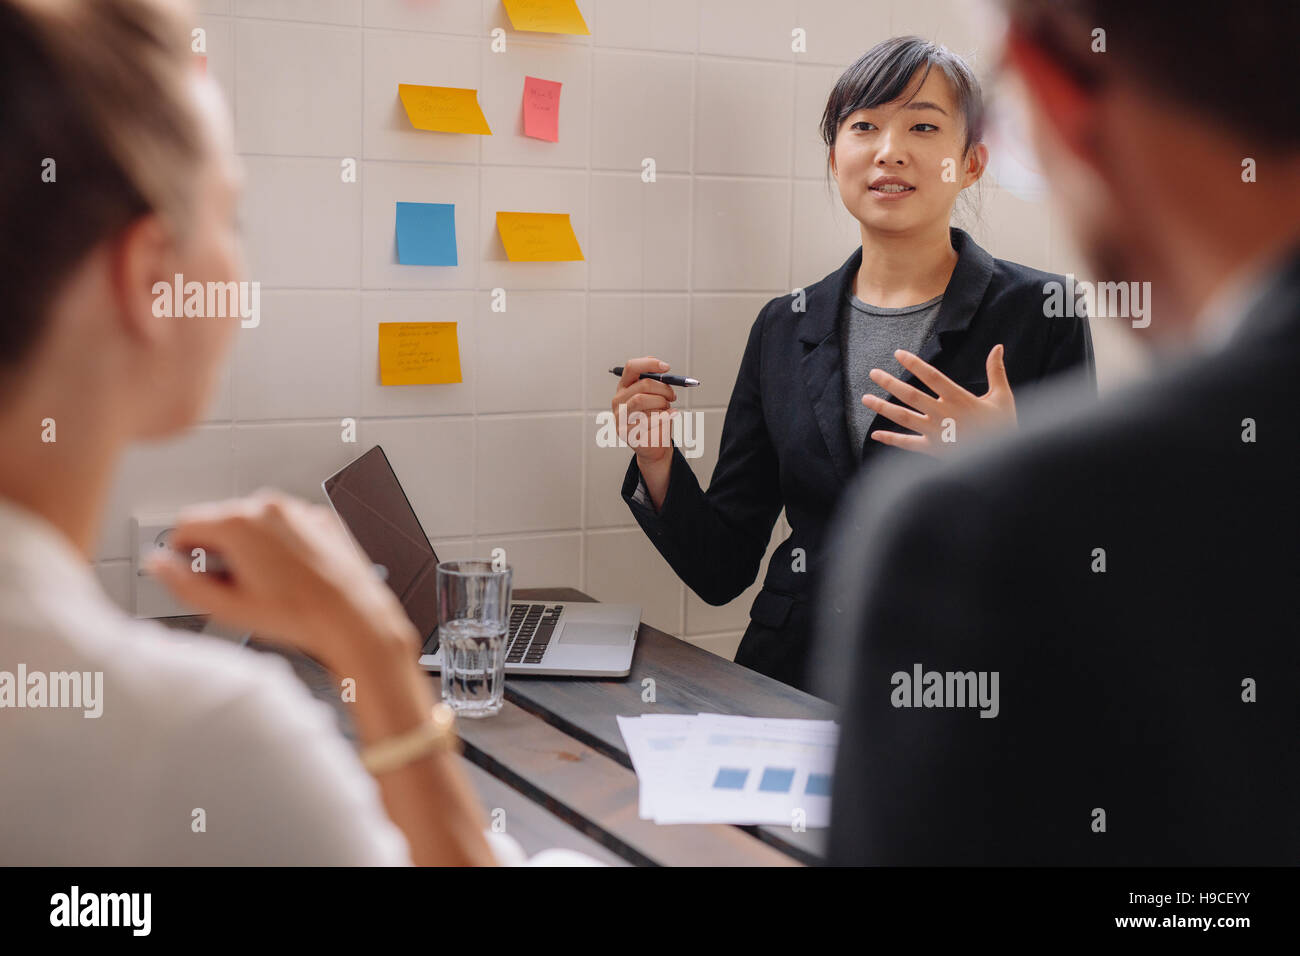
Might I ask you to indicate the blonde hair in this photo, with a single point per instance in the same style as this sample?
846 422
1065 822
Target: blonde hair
100 88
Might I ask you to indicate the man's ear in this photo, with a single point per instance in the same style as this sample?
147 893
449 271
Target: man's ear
1061 101
142 259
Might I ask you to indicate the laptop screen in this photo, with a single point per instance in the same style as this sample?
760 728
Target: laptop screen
369 499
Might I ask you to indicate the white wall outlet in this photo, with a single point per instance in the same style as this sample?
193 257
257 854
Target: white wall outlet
151 599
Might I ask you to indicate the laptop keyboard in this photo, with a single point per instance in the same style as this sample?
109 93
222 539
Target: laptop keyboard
529 631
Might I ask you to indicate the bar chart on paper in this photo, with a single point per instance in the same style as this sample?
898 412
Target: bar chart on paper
710 768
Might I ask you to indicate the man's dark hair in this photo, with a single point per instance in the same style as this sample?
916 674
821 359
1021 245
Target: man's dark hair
1233 65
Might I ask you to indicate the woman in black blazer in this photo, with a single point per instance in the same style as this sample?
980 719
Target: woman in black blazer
904 141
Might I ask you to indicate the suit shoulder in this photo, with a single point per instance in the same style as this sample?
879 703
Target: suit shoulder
1019 290
794 304
803 304
1068 442
826 285
1012 278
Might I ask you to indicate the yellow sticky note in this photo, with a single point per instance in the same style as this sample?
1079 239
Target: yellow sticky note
418 353
538 237
546 16
443 109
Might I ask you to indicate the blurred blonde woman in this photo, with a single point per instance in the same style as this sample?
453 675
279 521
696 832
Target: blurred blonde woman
142 186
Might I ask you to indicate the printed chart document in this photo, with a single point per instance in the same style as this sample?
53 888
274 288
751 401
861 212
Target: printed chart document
654 742
711 768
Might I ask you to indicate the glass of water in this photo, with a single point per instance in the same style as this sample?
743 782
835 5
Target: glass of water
473 607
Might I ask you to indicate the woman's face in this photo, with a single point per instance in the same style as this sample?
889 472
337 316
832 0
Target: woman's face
901 165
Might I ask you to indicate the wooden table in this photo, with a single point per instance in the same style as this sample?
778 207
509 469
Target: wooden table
554 760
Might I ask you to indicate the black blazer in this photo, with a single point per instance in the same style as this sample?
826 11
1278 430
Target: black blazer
1120 690
785 438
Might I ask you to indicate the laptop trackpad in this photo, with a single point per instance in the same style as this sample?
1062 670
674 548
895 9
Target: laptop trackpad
579 632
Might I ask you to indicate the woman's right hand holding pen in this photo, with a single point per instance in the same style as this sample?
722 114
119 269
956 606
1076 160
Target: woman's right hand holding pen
643 409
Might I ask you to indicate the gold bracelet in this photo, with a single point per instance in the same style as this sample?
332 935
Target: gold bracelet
438 735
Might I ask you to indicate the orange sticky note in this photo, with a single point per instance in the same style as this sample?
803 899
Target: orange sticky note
542 109
418 353
538 237
546 16
443 109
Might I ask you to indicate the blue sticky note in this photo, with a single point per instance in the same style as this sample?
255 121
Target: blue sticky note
426 234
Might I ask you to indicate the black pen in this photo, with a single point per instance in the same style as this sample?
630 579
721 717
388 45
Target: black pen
678 380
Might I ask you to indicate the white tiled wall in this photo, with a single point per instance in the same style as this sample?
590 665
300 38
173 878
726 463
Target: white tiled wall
740 213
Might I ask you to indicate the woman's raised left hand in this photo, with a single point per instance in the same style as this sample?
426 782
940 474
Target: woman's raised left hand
952 416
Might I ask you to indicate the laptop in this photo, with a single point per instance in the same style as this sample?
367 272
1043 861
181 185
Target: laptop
565 639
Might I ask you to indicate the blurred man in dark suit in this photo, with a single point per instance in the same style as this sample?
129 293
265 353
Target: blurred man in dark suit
1079 645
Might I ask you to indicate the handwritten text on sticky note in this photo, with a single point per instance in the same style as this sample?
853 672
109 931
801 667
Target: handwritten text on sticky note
443 109
542 109
538 237
546 16
418 353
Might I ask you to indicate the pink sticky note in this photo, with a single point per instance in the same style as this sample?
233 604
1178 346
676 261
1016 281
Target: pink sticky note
542 109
